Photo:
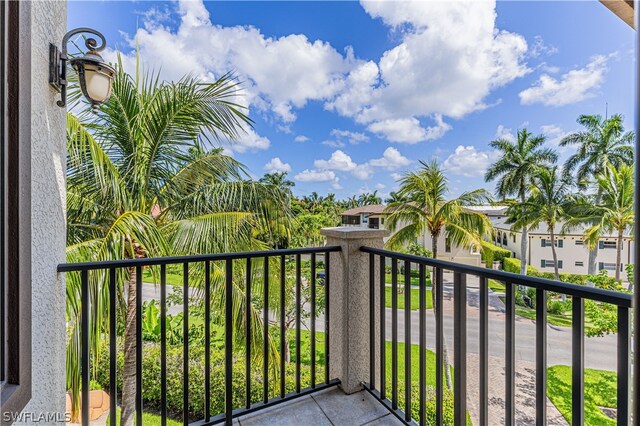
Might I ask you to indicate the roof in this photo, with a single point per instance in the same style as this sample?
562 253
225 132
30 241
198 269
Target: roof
541 229
372 209
489 210
622 8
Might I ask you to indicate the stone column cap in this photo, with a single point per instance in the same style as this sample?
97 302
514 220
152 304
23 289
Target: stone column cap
354 233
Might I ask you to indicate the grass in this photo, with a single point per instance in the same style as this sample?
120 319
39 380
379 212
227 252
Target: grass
148 419
599 391
173 278
561 320
415 299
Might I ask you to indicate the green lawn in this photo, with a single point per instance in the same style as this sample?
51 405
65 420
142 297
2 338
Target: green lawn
415 281
173 278
415 299
148 419
562 320
599 391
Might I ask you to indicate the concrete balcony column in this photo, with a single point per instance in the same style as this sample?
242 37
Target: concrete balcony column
349 330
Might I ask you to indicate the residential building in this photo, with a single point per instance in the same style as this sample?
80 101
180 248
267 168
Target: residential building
573 255
371 216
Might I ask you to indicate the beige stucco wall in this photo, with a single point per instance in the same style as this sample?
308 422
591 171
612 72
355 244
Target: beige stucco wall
44 22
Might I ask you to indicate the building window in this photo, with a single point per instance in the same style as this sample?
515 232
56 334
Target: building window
504 239
514 238
609 266
365 218
447 245
549 264
547 243
607 245
579 242
579 263
351 220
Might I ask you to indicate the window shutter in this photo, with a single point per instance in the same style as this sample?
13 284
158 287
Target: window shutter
559 264
542 262
560 243
600 266
600 244
543 242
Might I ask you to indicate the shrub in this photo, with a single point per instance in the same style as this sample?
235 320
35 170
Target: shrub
558 307
492 253
511 264
151 385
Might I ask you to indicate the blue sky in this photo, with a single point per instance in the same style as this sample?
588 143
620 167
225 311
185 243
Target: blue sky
347 95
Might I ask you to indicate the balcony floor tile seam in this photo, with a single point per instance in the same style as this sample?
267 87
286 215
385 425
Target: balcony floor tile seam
323 412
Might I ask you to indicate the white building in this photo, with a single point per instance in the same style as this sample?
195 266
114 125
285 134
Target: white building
573 255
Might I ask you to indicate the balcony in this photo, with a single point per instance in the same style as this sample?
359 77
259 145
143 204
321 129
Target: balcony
352 332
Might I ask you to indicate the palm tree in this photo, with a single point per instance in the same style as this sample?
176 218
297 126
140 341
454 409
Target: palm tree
614 213
141 183
424 209
393 197
369 198
279 180
602 142
518 164
549 203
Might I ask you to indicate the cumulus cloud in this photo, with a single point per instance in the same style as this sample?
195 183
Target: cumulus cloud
409 130
333 143
553 133
574 86
349 136
301 139
315 176
314 69
433 71
249 140
504 133
468 161
540 48
340 161
276 165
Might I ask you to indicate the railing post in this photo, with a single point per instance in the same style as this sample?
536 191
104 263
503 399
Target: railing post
349 330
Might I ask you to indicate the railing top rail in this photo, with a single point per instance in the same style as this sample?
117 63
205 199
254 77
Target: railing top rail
169 260
600 295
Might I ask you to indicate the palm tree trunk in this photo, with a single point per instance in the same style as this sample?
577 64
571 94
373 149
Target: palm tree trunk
524 243
128 401
445 353
593 253
619 254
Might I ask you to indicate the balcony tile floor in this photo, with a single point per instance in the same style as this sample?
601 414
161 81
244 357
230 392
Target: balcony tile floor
328 407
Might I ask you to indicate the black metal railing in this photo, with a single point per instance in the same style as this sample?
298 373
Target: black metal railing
111 272
377 385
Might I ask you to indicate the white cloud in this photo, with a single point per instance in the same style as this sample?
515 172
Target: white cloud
339 161
409 130
574 86
352 137
391 160
503 133
316 176
249 140
396 176
301 139
380 186
333 144
540 48
277 165
553 133
281 74
433 70
468 161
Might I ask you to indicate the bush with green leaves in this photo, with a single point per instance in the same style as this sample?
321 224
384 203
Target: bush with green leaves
151 384
511 264
492 253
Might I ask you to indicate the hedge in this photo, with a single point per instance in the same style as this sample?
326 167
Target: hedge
151 379
492 253
511 264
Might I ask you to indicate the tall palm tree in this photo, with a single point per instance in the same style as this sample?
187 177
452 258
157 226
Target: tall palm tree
424 208
613 214
279 180
549 203
142 183
518 164
602 142
369 198
393 197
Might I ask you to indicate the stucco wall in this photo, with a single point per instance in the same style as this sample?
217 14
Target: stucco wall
46 22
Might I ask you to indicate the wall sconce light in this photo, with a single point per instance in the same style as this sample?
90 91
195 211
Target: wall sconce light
94 75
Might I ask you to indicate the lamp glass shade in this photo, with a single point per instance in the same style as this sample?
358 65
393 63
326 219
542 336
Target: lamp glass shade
98 80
